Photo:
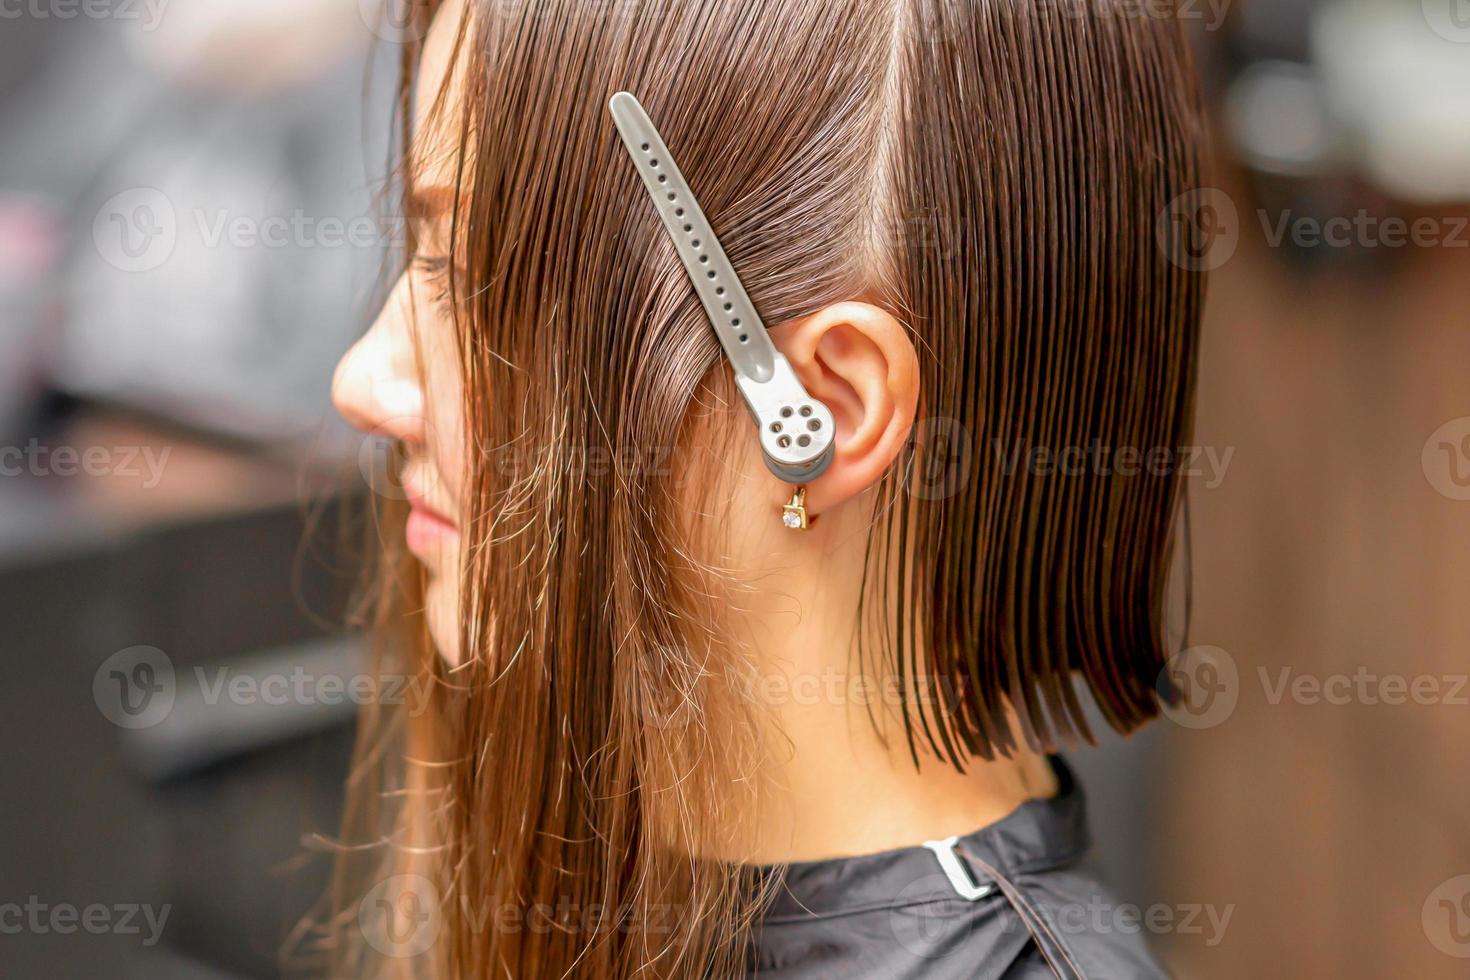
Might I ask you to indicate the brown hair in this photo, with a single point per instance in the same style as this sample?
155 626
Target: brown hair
993 173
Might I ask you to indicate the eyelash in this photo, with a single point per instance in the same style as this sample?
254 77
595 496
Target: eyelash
435 269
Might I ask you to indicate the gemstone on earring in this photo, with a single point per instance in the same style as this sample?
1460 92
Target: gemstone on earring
793 512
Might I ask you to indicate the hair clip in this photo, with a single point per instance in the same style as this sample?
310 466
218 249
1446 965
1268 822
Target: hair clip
796 431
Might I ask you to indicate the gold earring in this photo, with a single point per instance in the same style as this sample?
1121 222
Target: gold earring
793 512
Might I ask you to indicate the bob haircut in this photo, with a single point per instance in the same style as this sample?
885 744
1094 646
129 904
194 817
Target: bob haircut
994 172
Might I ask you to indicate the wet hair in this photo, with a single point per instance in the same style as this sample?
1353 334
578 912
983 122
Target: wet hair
993 172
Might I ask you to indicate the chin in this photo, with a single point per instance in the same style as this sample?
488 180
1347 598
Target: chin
441 606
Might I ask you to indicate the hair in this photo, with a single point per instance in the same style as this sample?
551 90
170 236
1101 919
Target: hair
990 170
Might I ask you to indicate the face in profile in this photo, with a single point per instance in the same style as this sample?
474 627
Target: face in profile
402 381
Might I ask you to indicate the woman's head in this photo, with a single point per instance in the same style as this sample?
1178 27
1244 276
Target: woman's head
945 209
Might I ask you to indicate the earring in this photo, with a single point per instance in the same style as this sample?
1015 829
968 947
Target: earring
793 512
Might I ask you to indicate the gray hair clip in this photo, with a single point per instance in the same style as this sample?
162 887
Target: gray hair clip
796 431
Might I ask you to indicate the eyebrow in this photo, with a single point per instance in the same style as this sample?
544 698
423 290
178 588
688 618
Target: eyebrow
427 203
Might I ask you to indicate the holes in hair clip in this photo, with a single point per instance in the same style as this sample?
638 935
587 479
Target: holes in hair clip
784 442
680 213
704 259
745 338
645 147
804 440
775 426
735 322
663 178
711 273
672 195
806 410
729 307
720 291
786 411
814 424
695 243
653 164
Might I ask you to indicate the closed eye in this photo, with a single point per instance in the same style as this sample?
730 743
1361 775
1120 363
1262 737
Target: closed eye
435 272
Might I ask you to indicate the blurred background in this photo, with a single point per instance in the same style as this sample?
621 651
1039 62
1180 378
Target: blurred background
189 241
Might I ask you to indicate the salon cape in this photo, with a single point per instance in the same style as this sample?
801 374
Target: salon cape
1012 900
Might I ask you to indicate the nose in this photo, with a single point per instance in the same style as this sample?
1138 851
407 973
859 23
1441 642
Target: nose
377 387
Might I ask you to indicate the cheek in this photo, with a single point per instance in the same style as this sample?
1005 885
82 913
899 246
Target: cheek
445 412
449 452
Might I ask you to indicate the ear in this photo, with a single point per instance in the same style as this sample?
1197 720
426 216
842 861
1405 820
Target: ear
858 360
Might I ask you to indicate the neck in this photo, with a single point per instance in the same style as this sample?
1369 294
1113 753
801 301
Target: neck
834 783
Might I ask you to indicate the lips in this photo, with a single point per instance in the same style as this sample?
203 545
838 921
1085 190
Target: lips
428 528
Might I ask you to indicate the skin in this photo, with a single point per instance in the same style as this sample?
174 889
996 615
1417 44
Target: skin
830 785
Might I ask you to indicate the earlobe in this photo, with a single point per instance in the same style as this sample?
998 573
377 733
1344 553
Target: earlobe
858 359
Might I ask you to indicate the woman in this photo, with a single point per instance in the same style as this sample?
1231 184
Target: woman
671 736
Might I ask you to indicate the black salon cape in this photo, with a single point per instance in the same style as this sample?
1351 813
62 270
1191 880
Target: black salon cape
896 915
